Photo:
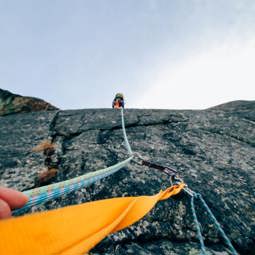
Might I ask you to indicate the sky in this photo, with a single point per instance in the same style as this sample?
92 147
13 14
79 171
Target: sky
168 54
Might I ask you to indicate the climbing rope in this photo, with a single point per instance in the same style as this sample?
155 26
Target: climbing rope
53 191
193 195
128 147
199 233
217 224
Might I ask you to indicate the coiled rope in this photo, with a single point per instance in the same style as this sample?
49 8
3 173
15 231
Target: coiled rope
53 191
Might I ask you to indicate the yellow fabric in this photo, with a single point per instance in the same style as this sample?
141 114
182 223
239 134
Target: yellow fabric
74 230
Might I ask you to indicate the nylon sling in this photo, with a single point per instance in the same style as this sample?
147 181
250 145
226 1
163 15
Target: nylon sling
75 229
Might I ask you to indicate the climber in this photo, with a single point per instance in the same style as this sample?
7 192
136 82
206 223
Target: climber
118 101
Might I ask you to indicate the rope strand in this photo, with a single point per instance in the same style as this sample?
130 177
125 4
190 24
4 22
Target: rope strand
217 224
198 228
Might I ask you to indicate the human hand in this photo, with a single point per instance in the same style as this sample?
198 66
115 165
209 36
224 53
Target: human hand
10 199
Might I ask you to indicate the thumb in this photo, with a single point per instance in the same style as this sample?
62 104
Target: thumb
5 211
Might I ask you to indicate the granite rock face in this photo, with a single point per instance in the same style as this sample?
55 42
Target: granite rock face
213 151
11 103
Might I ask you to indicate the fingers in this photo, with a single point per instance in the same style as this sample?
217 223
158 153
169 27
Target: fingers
13 198
5 211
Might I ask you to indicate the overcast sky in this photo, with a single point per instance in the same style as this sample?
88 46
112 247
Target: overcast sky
172 54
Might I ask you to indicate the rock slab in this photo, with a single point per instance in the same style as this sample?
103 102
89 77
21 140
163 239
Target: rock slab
213 151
